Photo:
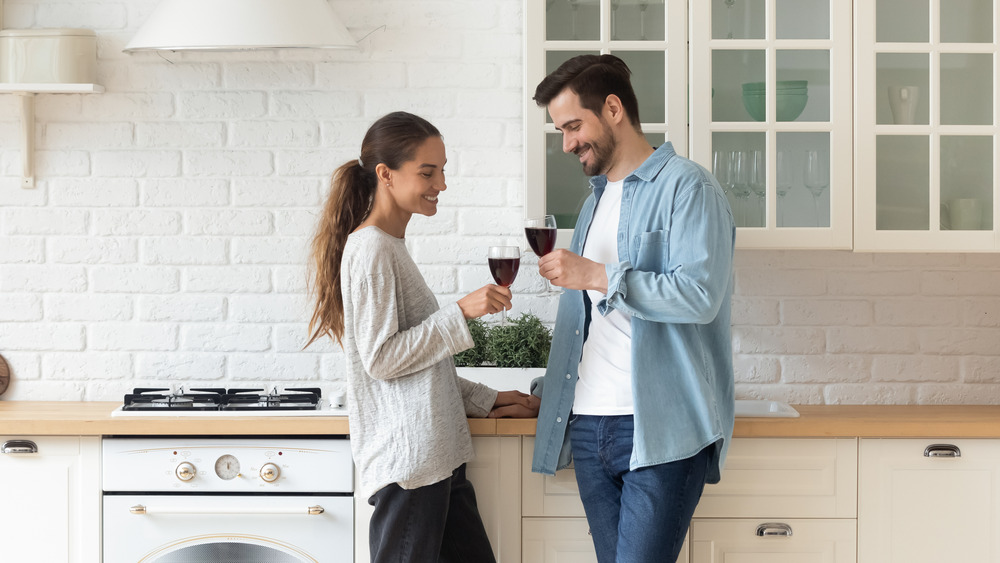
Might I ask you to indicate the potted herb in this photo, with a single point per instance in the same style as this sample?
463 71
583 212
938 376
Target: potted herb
506 356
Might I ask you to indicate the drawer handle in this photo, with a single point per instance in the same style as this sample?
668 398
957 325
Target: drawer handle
774 529
19 447
942 450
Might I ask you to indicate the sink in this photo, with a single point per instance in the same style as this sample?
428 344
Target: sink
766 409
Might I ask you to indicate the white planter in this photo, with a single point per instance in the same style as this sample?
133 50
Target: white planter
503 379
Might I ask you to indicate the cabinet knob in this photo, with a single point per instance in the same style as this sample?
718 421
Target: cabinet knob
942 450
774 529
19 447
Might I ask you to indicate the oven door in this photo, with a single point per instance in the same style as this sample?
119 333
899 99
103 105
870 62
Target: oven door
226 528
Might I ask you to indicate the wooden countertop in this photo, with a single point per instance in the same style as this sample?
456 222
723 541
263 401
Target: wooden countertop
871 421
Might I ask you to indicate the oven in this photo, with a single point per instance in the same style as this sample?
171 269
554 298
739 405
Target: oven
228 498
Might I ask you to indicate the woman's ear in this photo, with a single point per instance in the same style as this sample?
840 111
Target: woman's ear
383 173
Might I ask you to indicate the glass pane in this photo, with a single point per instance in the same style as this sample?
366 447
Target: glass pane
572 19
967 21
637 19
797 205
730 71
737 19
655 139
803 85
649 82
966 183
901 86
803 19
902 183
902 21
227 551
966 89
735 166
552 61
566 186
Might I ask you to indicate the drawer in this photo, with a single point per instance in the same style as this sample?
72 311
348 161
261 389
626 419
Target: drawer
559 540
807 541
763 477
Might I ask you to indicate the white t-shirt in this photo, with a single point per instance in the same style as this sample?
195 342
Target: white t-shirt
605 385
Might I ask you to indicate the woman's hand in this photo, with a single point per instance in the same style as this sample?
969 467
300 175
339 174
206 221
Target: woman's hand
486 300
515 404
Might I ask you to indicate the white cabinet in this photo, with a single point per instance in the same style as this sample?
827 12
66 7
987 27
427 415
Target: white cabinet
495 475
788 541
927 107
52 498
929 501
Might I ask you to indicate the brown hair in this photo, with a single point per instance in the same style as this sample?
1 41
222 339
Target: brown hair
392 140
593 78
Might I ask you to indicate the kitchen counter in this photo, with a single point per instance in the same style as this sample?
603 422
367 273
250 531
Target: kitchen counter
55 418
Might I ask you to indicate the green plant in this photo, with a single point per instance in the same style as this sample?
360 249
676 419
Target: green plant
522 343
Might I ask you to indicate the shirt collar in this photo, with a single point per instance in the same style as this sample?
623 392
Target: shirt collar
646 171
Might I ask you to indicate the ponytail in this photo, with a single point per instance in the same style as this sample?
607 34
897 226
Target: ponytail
352 193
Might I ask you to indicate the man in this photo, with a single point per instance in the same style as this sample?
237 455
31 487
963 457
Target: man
639 385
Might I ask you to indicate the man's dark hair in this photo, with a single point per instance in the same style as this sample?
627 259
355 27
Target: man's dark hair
593 78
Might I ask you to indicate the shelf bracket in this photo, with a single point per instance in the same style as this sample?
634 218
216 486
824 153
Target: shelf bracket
27 139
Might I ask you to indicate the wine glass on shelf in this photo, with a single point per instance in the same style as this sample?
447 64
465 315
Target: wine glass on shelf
784 181
504 262
741 185
758 182
722 169
541 234
817 178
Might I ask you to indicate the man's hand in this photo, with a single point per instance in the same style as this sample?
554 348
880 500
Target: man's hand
565 269
515 404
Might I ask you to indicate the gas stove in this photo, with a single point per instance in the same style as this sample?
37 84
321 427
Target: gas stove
212 402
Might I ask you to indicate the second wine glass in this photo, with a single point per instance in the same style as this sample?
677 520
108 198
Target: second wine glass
504 261
541 234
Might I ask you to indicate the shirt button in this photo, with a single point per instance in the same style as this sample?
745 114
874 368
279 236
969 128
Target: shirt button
568 376
578 333
558 419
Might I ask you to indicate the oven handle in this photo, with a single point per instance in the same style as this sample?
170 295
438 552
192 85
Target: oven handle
143 509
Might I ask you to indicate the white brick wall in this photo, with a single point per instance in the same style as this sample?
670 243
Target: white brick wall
168 236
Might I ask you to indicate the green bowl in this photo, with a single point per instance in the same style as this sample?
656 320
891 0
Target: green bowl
781 85
790 106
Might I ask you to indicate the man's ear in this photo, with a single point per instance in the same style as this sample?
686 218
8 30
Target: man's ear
614 111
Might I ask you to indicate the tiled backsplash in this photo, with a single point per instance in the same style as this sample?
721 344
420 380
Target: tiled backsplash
168 236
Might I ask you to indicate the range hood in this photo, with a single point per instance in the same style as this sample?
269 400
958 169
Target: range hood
237 25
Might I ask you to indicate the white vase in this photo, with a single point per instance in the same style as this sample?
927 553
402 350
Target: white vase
502 379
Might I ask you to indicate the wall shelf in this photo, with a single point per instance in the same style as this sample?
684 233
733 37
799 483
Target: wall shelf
27 94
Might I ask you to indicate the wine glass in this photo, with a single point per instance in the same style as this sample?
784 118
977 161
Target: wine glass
541 234
722 169
784 181
741 184
817 178
758 181
504 262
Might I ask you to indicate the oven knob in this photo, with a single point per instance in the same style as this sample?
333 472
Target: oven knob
185 471
269 472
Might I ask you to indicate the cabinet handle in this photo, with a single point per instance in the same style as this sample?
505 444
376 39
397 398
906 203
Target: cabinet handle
774 529
19 447
314 510
942 450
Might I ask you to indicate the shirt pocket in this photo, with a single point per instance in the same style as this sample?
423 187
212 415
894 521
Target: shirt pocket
653 251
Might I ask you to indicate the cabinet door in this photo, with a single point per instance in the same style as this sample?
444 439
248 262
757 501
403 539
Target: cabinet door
650 36
771 116
52 499
548 495
785 541
927 107
564 540
494 474
929 501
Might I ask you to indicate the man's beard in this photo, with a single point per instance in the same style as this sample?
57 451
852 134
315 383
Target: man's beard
601 152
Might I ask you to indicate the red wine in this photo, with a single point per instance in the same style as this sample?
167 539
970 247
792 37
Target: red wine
541 239
504 270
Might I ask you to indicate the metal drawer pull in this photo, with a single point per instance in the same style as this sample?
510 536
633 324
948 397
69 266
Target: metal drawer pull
774 529
19 447
942 450
143 509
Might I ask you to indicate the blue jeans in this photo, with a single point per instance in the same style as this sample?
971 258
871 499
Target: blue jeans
634 516
435 523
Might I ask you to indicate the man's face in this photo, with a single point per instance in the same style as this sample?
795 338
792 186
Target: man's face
585 134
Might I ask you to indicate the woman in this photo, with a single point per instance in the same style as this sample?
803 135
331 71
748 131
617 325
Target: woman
407 406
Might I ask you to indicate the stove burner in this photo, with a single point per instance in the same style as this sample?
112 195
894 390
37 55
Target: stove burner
217 399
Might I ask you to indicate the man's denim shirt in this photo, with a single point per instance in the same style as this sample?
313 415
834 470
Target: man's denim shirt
674 278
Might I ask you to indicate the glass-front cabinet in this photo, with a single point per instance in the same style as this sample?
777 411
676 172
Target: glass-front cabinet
926 165
772 117
650 36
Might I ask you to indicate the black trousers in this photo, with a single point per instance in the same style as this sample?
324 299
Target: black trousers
435 523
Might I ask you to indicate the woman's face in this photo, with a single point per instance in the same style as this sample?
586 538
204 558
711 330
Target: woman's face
416 184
